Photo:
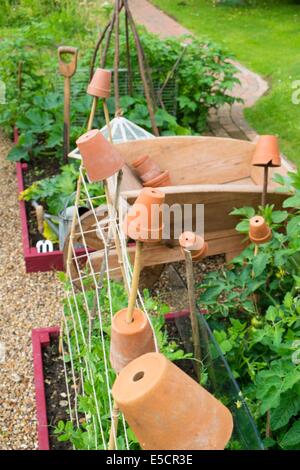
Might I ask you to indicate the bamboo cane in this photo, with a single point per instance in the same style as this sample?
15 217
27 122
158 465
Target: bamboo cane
135 281
92 113
114 427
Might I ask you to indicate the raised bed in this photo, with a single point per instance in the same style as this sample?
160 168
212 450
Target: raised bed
35 261
41 338
245 432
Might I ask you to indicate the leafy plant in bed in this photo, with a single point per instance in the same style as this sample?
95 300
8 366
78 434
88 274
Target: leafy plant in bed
203 79
88 361
254 310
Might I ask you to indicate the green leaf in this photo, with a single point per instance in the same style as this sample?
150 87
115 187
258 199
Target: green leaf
289 406
293 201
260 263
18 153
279 216
292 437
243 226
247 212
293 226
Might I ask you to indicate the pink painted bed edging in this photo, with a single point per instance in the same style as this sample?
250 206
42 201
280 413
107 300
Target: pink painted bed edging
35 261
40 339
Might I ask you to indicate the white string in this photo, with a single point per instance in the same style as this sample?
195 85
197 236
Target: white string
102 228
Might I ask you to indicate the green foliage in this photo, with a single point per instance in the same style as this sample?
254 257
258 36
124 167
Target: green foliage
58 192
89 350
202 81
260 300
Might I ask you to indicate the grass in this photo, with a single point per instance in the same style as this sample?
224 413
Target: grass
265 38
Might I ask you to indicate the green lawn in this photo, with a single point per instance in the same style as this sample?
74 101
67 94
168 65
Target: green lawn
266 39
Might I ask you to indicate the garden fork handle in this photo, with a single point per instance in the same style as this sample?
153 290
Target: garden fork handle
67 70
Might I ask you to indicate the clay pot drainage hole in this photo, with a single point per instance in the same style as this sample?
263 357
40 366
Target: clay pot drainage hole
138 376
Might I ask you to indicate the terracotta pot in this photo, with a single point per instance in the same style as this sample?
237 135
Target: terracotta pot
144 219
167 409
150 175
195 244
267 152
146 168
100 159
138 161
161 180
100 84
129 340
259 231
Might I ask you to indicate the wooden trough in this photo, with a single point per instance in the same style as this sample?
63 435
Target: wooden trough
212 171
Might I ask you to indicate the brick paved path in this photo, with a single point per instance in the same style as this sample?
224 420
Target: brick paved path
227 121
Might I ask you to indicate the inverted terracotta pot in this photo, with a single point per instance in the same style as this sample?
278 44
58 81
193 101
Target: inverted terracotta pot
100 84
195 244
144 219
168 410
161 180
129 340
259 231
100 159
267 152
146 168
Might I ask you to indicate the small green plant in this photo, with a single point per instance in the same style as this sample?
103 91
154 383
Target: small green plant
58 192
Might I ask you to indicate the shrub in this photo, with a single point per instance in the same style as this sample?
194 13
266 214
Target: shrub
260 334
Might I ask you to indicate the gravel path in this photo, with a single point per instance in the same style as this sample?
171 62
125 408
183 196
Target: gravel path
26 301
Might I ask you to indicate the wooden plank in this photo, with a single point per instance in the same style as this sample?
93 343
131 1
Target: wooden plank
193 159
161 254
218 201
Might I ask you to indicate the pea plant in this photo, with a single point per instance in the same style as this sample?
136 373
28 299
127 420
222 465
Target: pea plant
254 307
92 401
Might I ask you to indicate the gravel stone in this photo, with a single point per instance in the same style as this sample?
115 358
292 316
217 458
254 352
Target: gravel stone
27 301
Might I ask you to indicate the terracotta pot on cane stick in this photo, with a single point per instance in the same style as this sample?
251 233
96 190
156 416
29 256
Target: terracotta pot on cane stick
167 409
195 244
99 87
129 340
259 231
100 159
143 221
131 333
266 154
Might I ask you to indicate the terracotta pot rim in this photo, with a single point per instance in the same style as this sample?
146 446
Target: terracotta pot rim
157 180
130 329
267 152
100 84
262 240
138 161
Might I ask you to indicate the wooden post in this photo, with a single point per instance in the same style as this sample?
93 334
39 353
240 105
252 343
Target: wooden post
142 69
193 308
135 281
265 186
